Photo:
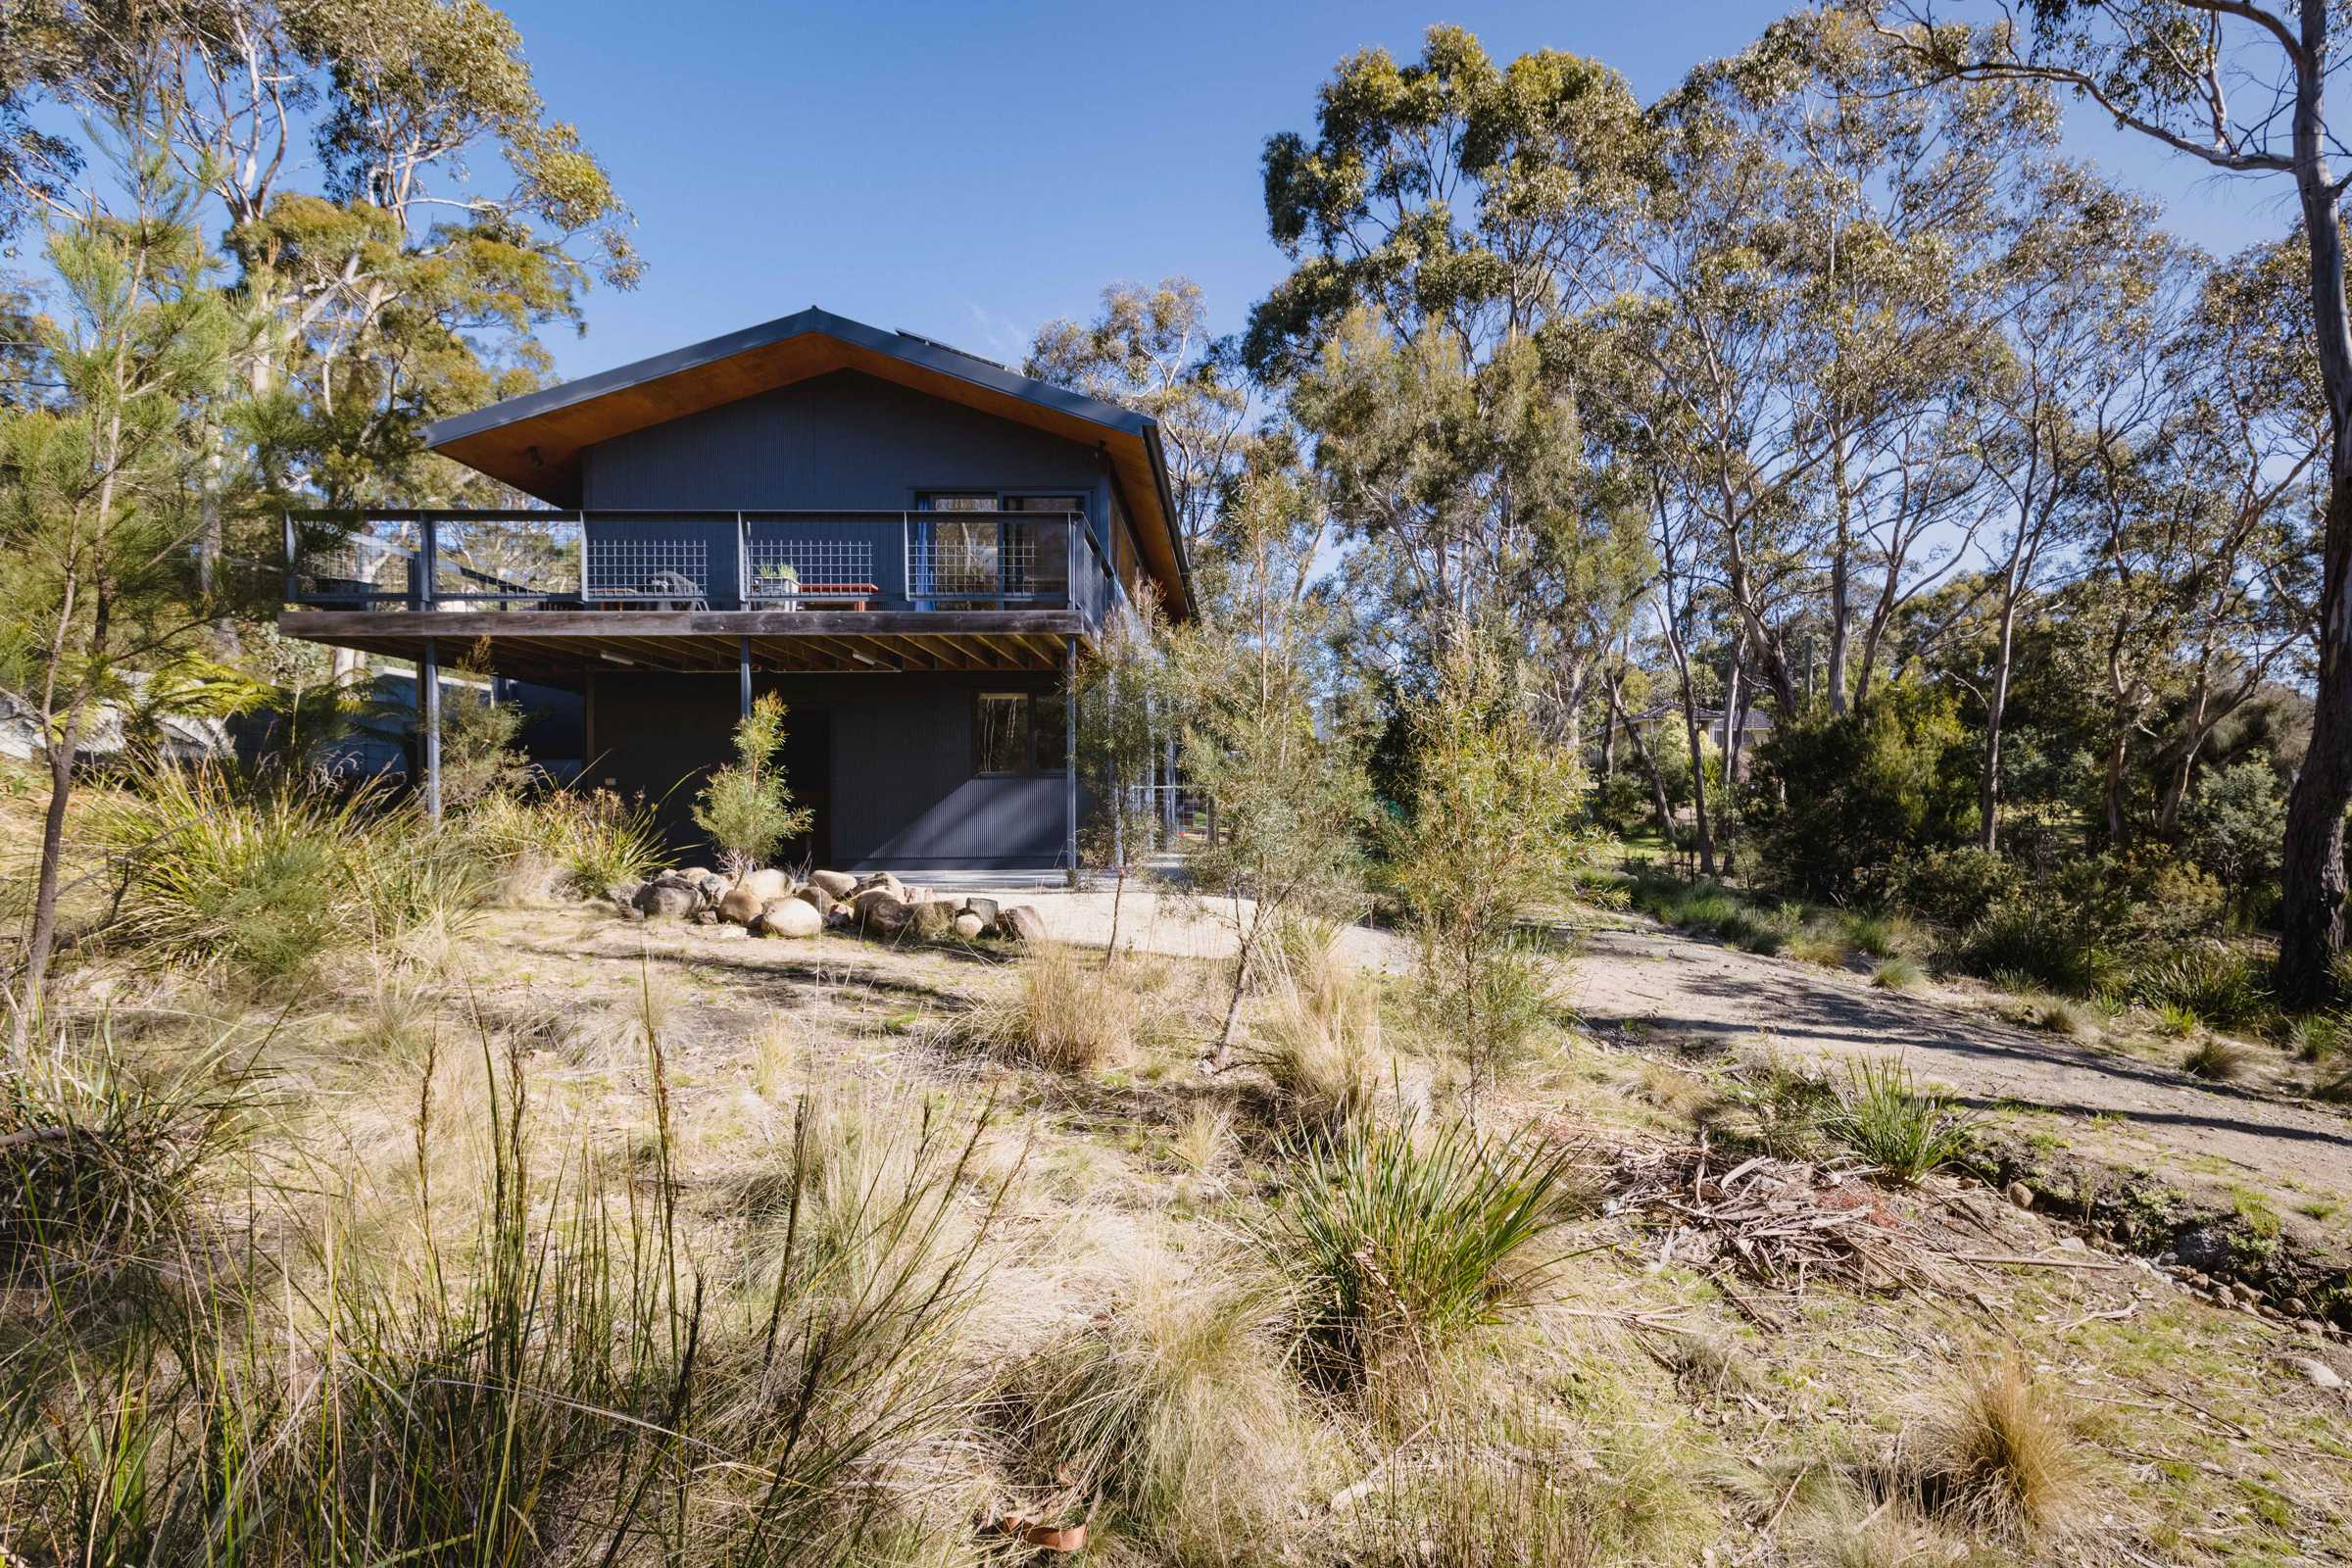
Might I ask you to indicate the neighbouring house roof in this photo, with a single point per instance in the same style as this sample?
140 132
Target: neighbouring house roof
533 442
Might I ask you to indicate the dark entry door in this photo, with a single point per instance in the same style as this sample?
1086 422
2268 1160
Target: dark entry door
808 770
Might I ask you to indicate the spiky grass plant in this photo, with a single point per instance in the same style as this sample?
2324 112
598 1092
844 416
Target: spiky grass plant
1400 1237
1901 1130
2176 1021
2003 1450
2222 986
2218 1059
100 1164
1811 946
1873 935
1896 973
1060 1015
567 841
262 875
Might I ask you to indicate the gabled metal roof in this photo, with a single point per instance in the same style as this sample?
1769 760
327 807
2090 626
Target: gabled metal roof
533 442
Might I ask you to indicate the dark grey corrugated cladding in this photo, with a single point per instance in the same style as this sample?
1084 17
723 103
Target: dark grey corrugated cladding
922 352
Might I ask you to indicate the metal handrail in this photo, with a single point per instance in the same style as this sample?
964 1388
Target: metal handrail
1088 582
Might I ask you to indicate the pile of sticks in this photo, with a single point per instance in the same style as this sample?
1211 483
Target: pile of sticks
1780 1223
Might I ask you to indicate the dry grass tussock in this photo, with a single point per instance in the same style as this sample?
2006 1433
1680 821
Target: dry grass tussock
1170 1412
1519 1453
2000 1451
1063 1013
1317 1034
535 1357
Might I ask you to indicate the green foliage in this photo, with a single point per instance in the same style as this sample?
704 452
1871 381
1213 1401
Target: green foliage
263 876
1906 1133
1716 910
2036 939
100 1164
1951 886
746 806
2235 828
591 841
1833 799
1402 1238
2222 986
1489 836
478 754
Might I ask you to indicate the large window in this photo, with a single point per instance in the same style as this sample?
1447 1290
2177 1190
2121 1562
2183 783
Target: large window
1002 733
1017 732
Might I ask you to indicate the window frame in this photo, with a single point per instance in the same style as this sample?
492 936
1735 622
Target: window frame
1033 764
1028 723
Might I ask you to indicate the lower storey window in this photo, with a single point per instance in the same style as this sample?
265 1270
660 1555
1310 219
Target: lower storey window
1017 732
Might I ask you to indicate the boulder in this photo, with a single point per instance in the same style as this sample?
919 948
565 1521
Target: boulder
934 919
815 897
985 908
837 884
789 917
884 882
765 884
741 905
1022 923
697 875
666 901
969 926
882 911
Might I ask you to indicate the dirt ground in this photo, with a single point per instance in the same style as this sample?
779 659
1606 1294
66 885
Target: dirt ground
1636 982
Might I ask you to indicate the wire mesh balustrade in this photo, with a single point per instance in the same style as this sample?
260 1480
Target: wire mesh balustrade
545 560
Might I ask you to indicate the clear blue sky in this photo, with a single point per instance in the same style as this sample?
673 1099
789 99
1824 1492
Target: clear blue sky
969 171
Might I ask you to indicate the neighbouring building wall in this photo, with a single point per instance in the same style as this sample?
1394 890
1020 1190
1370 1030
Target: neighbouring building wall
887 762
845 440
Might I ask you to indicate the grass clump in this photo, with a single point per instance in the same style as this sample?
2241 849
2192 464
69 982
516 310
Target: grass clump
1406 1239
2219 985
1904 1132
2002 1452
1874 936
262 875
1813 946
566 841
2218 1059
2175 1021
1060 1015
2028 944
1171 1411
1896 973
1318 1040
99 1166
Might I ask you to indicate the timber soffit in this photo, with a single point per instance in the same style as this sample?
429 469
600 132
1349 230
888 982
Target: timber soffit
498 440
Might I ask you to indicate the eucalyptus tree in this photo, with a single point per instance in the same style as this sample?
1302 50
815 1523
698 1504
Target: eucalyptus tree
1893 196
1150 350
2251 427
1443 214
2079 291
2170 70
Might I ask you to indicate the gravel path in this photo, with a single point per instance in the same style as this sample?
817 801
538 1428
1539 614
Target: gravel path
1680 986
1637 974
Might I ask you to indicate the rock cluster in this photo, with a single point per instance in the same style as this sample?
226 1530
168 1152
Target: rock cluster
769 903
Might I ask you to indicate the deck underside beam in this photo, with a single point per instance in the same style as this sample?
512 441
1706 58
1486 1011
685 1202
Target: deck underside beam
560 647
